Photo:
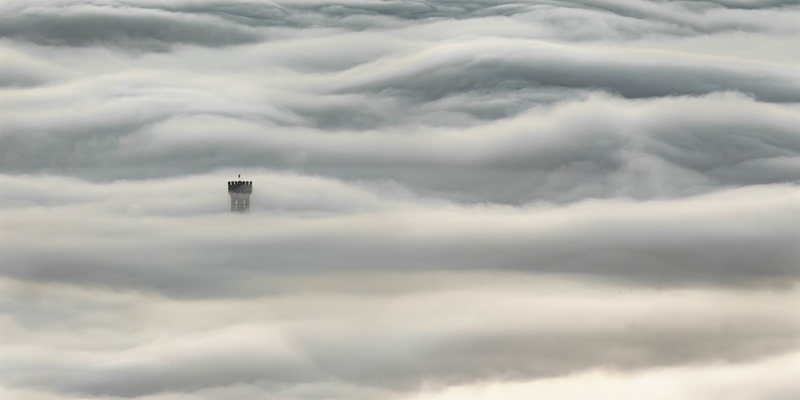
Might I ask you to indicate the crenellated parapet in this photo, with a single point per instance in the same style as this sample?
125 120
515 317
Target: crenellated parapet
240 186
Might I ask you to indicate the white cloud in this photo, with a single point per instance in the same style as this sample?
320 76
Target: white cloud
472 199
773 378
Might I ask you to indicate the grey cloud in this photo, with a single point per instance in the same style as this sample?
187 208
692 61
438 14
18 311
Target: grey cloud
151 26
117 25
563 153
499 67
671 12
754 4
22 70
455 86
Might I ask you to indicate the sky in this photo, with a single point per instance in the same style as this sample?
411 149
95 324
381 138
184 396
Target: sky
472 200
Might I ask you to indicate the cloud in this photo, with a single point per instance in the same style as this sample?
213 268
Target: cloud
23 70
116 24
153 26
503 66
772 378
474 199
597 147
427 329
750 4
188 239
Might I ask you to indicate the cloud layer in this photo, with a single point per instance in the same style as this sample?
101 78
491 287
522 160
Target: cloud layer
452 199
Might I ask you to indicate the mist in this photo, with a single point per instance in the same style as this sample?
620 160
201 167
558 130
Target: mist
451 200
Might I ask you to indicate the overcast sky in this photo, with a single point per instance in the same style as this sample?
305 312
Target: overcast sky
453 200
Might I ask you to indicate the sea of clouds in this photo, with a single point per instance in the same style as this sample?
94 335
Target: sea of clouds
480 199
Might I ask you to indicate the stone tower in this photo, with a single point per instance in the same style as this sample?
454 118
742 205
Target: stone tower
240 195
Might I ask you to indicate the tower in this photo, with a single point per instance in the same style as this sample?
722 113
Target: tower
240 195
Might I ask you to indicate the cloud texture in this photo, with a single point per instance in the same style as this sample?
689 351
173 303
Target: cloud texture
452 199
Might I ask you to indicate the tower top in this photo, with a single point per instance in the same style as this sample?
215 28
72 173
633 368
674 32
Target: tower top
240 186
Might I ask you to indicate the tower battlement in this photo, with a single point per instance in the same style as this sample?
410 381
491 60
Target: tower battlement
240 186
